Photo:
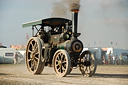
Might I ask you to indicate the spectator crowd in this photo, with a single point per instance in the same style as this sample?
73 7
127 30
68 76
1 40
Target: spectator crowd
113 60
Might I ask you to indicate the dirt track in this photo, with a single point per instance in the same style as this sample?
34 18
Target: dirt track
105 75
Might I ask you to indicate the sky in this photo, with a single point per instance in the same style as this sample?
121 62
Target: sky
102 23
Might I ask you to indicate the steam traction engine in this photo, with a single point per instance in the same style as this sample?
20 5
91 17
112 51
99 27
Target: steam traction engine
56 44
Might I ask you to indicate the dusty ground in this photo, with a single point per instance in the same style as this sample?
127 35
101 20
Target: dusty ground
105 75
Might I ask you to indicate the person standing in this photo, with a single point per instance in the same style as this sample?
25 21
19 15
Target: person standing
113 59
127 59
109 59
16 58
116 60
103 60
120 59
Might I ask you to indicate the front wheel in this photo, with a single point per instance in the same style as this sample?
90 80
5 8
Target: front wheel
33 56
87 64
61 63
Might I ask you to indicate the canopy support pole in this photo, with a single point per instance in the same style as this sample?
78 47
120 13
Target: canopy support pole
32 31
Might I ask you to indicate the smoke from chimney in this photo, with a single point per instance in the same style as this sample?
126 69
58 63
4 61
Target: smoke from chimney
74 6
64 7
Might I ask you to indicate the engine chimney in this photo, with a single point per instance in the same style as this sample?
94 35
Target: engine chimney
75 10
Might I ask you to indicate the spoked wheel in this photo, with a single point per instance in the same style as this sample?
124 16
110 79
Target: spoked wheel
61 63
33 56
87 64
70 70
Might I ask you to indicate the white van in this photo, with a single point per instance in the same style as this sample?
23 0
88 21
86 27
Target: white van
7 56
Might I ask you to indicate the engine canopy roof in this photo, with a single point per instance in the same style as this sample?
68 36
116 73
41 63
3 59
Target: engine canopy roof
52 22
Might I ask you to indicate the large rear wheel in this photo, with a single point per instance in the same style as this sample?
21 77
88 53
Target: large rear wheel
87 64
61 63
33 56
